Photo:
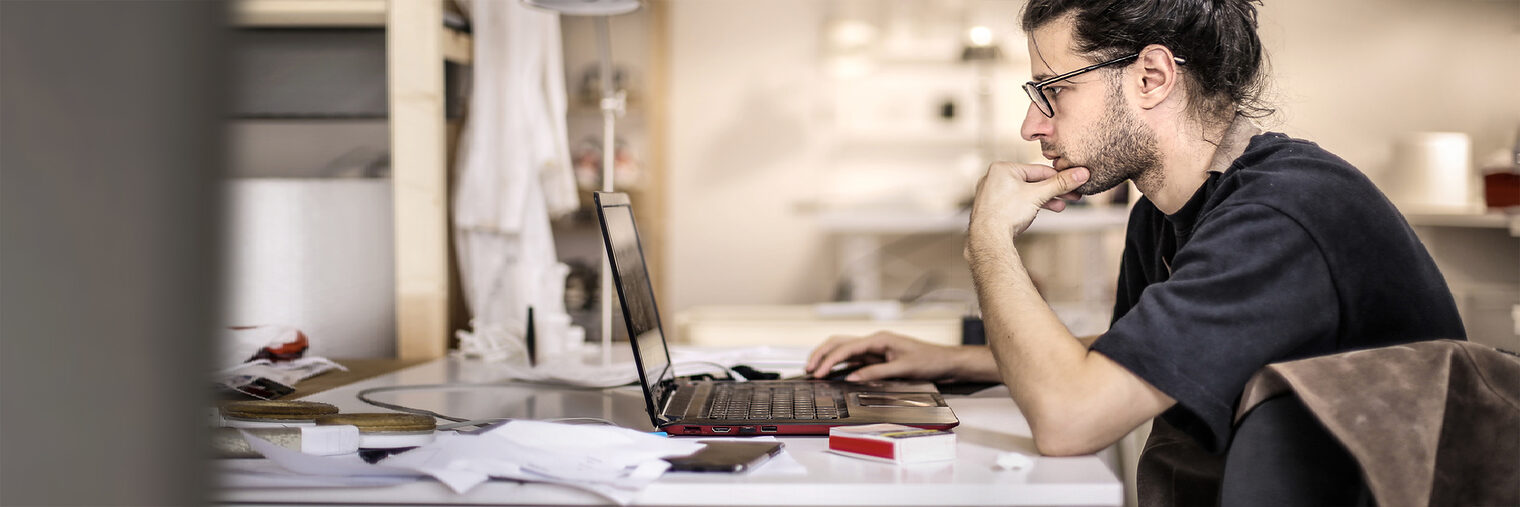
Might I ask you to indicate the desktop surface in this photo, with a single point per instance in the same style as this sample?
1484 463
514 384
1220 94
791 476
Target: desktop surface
990 425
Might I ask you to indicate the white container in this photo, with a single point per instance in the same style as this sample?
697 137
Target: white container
1432 172
315 254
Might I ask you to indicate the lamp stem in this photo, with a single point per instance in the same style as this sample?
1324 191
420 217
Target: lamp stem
987 117
610 109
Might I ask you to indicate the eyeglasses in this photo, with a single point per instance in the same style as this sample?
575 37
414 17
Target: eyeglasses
1036 91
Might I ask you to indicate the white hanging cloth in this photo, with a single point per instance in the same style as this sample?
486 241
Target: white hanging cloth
514 174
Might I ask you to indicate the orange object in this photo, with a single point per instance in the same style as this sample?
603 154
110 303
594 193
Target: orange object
284 351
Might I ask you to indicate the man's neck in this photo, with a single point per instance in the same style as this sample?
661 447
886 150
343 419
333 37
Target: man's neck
1191 159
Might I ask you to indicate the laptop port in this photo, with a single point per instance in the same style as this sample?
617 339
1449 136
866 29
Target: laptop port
691 429
768 429
746 429
722 429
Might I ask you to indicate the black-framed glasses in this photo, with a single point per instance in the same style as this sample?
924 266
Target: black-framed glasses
1036 90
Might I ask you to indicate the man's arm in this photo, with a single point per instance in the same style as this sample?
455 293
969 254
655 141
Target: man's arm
1076 401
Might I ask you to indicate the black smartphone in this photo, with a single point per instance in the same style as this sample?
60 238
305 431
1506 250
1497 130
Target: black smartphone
725 456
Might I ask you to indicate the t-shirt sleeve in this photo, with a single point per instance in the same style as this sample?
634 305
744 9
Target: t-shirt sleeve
1249 288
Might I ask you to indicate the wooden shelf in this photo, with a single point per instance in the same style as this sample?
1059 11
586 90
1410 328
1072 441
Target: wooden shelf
309 13
457 46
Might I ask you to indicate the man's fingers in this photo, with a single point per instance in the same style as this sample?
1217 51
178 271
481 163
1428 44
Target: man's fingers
1033 173
1070 179
879 371
824 349
839 354
872 348
1060 202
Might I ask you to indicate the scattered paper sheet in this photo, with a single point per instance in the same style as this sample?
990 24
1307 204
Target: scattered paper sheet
610 461
284 372
266 474
345 465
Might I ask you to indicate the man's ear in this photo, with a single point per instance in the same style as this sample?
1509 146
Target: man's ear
1158 76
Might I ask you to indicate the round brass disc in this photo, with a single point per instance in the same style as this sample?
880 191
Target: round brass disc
381 422
276 409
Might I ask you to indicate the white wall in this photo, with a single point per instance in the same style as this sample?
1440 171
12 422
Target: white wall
1353 75
747 138
743 149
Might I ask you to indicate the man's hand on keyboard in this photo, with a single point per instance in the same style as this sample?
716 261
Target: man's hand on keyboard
890 355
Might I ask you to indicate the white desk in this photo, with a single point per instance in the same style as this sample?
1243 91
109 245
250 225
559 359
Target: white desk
990 424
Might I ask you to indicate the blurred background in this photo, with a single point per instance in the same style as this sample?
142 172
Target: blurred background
789 153
173 168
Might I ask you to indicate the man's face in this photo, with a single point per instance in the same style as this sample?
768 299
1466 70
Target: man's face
1094 126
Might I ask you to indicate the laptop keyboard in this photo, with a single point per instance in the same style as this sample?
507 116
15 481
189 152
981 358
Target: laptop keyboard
801 400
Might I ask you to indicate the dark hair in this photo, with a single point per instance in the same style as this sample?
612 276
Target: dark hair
1217 38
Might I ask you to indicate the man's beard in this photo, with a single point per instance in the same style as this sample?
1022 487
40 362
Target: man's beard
1124 148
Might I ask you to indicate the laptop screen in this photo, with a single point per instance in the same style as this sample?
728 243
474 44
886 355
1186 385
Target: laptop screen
632 278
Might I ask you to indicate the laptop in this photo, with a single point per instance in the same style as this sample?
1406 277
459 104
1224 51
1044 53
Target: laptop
760 407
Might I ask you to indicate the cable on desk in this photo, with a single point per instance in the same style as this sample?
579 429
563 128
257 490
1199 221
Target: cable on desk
731 373
481 423
364 397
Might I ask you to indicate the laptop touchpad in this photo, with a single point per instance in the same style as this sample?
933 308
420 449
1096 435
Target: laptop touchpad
897 400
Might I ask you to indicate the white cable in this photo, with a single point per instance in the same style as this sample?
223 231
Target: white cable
731 373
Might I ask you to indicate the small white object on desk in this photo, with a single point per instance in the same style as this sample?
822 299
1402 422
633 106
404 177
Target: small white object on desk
1014 461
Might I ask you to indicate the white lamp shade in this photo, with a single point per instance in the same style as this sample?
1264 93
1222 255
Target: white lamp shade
587 7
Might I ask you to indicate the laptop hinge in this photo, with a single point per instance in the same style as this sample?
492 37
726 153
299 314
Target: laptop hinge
668 393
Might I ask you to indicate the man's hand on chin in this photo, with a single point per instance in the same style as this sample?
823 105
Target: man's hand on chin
1010 195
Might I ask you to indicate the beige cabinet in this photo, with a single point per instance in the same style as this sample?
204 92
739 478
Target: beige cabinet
417 45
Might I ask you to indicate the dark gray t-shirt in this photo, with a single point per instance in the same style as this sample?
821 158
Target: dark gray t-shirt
1290 253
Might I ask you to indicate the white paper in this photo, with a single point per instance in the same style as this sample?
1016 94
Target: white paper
329 440
265 474
284 372
345 465
610 461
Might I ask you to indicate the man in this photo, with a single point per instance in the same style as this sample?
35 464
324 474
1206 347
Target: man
1249 248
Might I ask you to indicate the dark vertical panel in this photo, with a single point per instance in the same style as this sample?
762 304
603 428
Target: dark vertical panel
110 155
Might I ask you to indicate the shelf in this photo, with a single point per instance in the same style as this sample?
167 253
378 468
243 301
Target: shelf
457 46
309 13
1076 219
1491 220
308 117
